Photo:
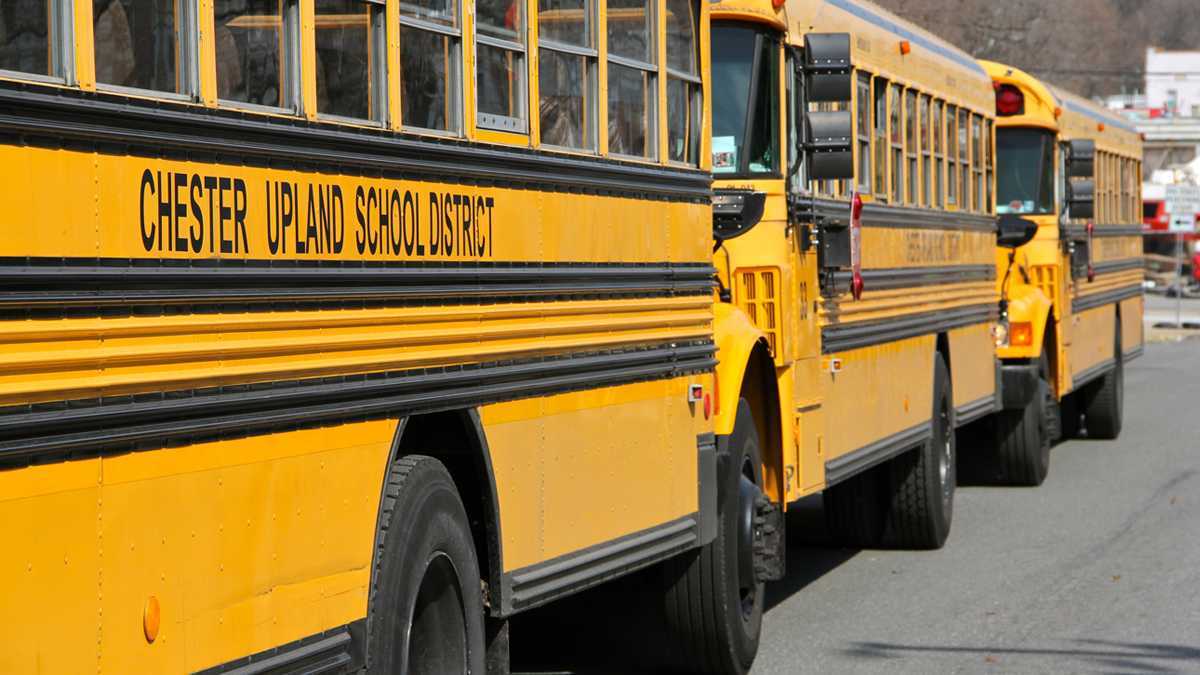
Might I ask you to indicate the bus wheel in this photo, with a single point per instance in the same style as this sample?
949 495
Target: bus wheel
854 510
426 615
923 480
714 602
1105 402
1023 438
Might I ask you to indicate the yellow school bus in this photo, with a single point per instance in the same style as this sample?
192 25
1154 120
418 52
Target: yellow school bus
1074 293
333 333
855 234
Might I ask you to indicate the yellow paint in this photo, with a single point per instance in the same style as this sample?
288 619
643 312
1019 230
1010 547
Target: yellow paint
876 391
1083 339
250 543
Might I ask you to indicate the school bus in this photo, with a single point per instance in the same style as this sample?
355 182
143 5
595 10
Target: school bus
1073 295
334 333
855 240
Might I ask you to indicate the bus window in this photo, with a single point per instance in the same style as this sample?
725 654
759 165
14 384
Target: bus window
964 159
255 41
137 44
977 162
500 64
951 155
939 166
350 58
910 142
1025 171
29 38
567 73
989 165
881 153
683 82
430 65
632 79
897 145
745 115
863 101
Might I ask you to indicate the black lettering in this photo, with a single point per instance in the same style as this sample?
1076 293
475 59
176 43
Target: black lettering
396 235
410 222
310 226
272 219
179 211
210 186
197 229
239 214
448 224
360 237
435 219
372 233
480 207
490 203
164 208
224 213
338 213
147 235
468 233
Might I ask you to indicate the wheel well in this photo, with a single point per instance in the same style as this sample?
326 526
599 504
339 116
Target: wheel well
456 438
761 391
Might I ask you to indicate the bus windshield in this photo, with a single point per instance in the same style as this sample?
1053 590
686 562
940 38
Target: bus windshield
745 123
1024 171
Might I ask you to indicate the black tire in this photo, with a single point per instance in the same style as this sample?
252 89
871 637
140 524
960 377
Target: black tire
923 481
855 509
1023 439
1106 398
713 603
426 614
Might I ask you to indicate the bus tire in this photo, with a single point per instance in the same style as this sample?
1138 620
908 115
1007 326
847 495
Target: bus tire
855 510
1023 439
426 615
1106 400
713 603
923 481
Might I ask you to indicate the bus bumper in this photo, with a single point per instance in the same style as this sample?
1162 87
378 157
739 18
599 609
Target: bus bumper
1018 385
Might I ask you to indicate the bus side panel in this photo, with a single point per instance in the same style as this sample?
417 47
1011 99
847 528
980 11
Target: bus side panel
1092 345
48 564
246 544
580 469
881 391
973 368
1132 324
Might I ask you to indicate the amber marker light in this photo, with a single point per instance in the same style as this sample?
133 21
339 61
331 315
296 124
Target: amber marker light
1101 126
777 3
1057 112
905 47
151 618
1020 334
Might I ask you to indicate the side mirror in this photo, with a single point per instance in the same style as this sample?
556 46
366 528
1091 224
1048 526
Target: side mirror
828 135
1081 159
1013 231
827 65
829 145
1081 199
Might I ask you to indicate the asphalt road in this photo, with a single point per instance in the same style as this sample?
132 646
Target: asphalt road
1097 571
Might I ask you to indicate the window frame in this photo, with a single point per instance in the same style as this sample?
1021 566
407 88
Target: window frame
591 56
912 147
61 39
289 75
505 123
377 78
925 134
977 163
187 63
879 138
938 128
454 88
896 162
653 71
696 86
863 130
952 173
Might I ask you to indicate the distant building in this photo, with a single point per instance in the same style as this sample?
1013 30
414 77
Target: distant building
1173 82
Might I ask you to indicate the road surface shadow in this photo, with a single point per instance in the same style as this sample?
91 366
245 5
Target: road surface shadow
1104 655
811 551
